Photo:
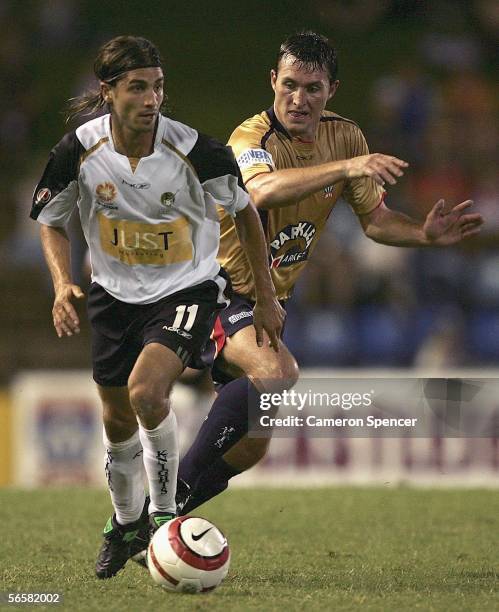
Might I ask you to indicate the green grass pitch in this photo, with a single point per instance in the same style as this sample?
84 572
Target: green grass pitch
319 549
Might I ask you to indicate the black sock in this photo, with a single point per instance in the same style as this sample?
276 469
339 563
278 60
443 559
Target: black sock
226 424
210 483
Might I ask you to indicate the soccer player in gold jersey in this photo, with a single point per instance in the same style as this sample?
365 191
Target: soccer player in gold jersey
296 160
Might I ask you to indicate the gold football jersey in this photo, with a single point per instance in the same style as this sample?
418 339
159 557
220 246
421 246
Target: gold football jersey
261 144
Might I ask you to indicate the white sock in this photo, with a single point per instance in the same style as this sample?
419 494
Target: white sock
125 477
161 463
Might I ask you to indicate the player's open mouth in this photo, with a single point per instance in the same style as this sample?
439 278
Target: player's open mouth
298 114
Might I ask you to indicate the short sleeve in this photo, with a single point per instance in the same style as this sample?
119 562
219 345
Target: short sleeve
252 158
363 194
219 174
56 194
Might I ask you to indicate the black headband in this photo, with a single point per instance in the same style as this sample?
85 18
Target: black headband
132 66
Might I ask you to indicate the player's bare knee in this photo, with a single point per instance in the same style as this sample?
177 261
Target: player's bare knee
284 369
278 373
290 371
149 404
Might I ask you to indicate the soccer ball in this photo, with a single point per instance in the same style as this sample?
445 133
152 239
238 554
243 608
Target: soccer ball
188 555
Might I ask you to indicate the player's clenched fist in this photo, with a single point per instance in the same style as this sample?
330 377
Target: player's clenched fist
382 168
66 321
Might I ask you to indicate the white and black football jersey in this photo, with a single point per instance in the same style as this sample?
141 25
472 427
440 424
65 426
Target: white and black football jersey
152 231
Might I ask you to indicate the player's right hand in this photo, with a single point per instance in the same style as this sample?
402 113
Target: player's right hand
66 321
382 168
268 315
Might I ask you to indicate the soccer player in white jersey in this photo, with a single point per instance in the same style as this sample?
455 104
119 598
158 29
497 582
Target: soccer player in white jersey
146 188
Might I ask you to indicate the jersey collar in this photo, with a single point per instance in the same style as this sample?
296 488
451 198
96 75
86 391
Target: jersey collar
276 124
158 136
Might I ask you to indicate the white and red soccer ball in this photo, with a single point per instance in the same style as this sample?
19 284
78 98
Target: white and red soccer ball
188 555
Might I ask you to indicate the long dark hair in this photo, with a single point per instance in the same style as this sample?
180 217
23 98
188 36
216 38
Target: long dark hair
312 50
114 59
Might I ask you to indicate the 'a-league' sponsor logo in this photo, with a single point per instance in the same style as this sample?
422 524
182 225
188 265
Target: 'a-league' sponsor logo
106 192
43 195
291 244
251 157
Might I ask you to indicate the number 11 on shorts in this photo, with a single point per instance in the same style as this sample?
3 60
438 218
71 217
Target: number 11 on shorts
192 312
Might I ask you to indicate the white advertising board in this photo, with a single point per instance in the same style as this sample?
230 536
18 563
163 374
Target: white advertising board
57 440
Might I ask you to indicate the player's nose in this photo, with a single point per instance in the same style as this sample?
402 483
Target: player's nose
151 99
299 97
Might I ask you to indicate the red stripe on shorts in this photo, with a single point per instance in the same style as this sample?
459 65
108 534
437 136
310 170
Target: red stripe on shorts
218 336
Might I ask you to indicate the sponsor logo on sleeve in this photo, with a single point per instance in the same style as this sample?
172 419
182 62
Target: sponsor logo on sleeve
291 245
43 195
329 191
254 157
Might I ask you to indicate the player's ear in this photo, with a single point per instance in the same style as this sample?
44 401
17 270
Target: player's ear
105 91
273 78
333 87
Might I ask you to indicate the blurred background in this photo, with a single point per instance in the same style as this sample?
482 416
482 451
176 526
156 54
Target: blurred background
419 77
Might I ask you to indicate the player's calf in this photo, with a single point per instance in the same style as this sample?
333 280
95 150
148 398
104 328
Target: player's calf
246 453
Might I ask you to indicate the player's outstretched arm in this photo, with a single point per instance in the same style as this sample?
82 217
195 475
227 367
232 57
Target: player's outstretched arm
443 228
440 228
56 249
287 186
268 314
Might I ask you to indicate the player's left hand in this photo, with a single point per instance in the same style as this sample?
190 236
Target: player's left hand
445 228
268 315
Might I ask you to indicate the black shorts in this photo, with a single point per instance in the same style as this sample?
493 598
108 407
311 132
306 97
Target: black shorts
182 322
237 316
